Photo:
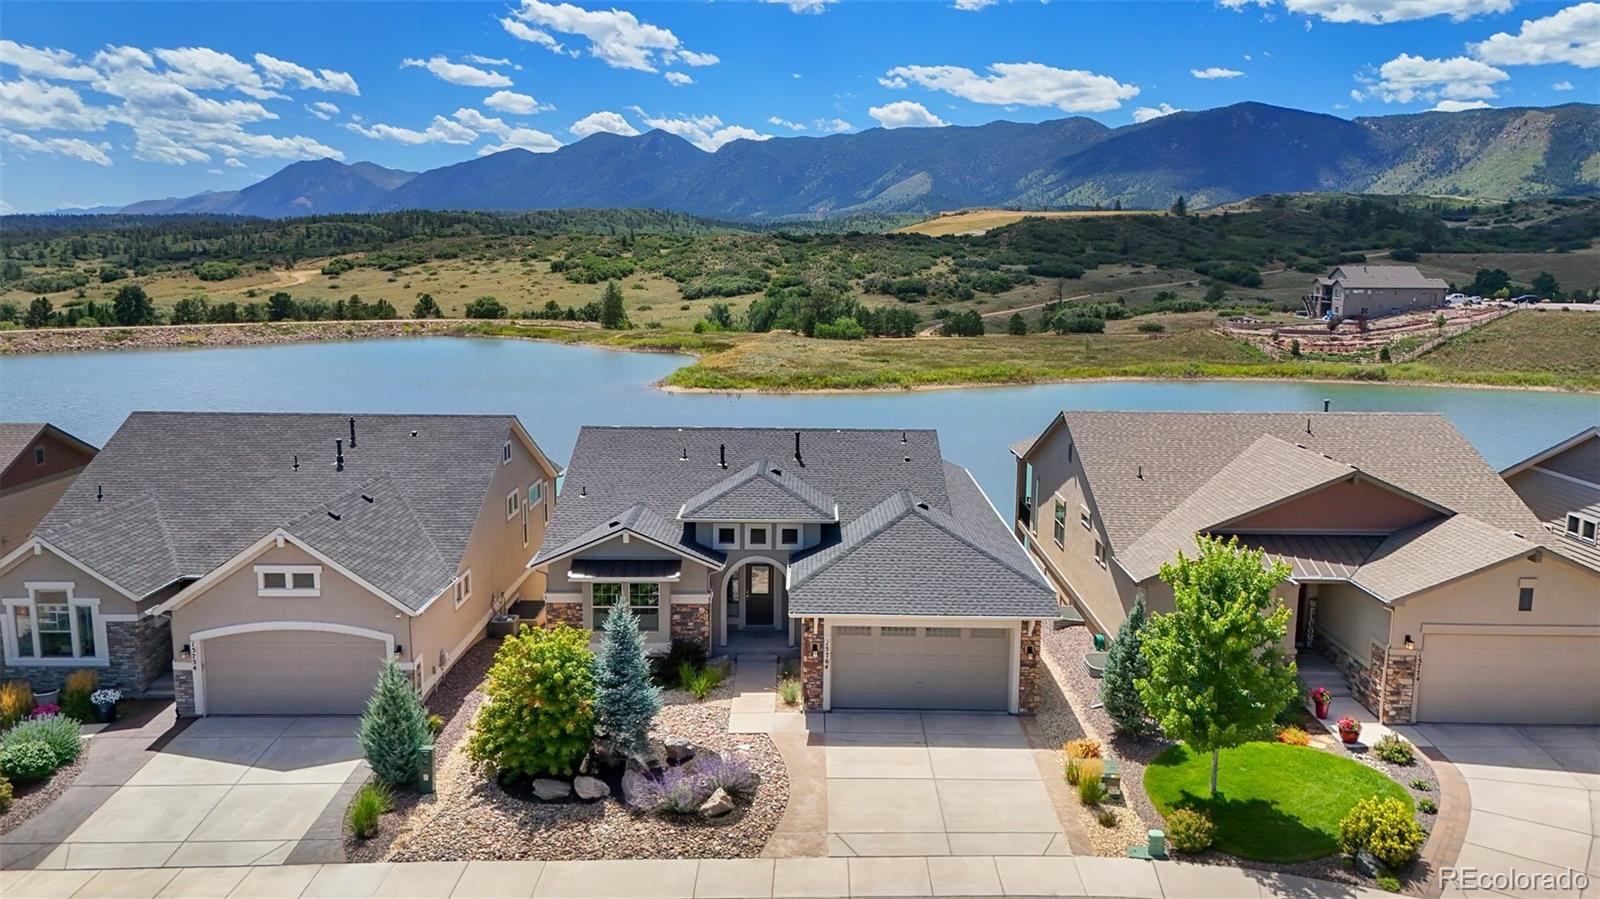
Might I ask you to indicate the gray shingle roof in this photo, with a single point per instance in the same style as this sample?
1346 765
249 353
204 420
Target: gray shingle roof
15 436
1382 276
1434 553
886 556
186 491
1552 498
761 491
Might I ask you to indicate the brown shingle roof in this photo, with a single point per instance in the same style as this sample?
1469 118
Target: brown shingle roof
1381 276
1552 497
1434 553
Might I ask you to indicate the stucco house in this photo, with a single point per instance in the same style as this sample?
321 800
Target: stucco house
1370 291
1561 484
273 561
884 564
1415 568
37 463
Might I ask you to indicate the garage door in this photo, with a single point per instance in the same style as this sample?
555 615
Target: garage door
920 667
1509 679
289 673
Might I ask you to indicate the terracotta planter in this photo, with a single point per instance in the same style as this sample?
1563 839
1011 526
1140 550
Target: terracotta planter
1322 710
1349 736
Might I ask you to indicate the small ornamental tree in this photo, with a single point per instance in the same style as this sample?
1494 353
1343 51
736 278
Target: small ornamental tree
539 717
394 727
1218 673
1125 665
625 700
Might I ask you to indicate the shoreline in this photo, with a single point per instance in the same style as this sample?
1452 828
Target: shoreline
53 341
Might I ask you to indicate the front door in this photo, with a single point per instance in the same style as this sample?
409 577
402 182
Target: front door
757 595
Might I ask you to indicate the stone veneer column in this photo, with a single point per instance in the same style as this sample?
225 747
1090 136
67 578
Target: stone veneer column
1028 667
183 691
813 656
1396 700
691 622
140 651
568 613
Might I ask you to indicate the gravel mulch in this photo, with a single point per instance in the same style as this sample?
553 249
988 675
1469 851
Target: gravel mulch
31 799
472 818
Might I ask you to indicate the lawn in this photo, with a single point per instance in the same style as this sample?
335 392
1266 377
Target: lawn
1275 803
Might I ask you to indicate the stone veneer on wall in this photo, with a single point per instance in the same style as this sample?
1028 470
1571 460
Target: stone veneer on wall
1386 683
138 652
1028 667
691 622
568 613
183 691
811 631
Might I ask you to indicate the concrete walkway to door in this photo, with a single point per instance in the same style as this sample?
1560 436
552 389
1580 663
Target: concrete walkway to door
221 791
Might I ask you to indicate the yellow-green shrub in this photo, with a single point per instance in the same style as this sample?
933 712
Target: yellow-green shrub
1090 790
16 701
75 694
1385 829
539 720
1082 749
1294 736
1190 831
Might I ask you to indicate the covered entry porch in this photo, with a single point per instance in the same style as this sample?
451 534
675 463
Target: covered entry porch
750 604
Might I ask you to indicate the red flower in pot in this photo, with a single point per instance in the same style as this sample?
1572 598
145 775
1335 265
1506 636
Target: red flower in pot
1349 729
1321 697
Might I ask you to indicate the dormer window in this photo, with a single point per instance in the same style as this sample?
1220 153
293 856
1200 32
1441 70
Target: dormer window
1581 527
757 536
725 536
505 453
788 537
289 580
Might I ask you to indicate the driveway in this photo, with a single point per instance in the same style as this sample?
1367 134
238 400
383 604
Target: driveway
1535 796
934 783
223 791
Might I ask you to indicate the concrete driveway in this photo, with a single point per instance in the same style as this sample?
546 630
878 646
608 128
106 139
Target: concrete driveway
934 783
223 791
1535 796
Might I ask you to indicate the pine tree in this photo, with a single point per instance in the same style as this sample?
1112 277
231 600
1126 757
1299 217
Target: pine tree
1018 325
625 701
612 315
1125 663
394 727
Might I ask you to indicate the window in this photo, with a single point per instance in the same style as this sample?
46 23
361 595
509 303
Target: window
505 453
535 493
788 537
1100 554
52 624
644 600
725 536
38 455
513 504
1525 594
757 536
463 589
1581 527
289 580
1083 518
1061 523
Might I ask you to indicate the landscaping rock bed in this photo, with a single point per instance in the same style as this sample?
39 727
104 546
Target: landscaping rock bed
471 817
30 799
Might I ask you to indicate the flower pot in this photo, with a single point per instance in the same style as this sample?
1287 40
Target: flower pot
48 697
1349 736
106 712
1322 710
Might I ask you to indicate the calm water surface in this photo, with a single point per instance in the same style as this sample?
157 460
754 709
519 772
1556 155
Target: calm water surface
555 389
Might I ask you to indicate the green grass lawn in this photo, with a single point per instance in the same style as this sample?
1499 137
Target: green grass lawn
1275 803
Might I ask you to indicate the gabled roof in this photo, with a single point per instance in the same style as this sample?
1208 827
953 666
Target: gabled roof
904 557
1552 498
1583 436
636 519
175 495
761 491
1381 276
17 436
1434 553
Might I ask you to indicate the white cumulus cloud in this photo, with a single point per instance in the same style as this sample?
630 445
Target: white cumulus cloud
905 114
1571 35
708 132
606 121
785 123
1383 12
833 126
202 68
1407 78
440 131
458 72
616 37
1146 113
1215 72
41 106
974 5
44 62
1019 84
509 136
515 103
805 7
279 72
322 109
75 148
678 79
1561 86
1458 105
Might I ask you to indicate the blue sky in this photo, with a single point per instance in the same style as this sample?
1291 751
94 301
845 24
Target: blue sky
111 103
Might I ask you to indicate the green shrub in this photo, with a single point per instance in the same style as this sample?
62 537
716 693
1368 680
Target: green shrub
539 719
486 307
394 727
5 795
1428 806
699 681
370 804
1107 818
1389 883
1151 327
436 724
1071 770
1421 784
58 732
75 694
1385 829
1075 324
1190 831
27 762
841 328
1393 749
789 691
666 668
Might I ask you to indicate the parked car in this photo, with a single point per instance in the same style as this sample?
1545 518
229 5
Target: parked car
1525 298
1456 299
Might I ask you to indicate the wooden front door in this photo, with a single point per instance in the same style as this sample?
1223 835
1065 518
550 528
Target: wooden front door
757 595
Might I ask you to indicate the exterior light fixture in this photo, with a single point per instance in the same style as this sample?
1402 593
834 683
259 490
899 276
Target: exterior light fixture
399 652
1410 644
185 654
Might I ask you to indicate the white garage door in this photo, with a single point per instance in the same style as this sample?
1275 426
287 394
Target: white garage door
289 673
920 667
1509 679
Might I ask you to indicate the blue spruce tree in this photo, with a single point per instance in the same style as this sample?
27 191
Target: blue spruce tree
625 701
394 727
1125 663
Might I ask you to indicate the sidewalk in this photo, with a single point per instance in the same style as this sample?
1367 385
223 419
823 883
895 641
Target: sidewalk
688 878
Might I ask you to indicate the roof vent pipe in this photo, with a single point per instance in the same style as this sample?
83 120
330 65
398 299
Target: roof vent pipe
1308 425
685 456
902 436
722 455
338 455
99 493
1327 405
1141 472
296 463
352 432
797 449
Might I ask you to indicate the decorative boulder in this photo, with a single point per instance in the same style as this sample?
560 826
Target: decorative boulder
719 804
551 790
678 750
590 788
638 790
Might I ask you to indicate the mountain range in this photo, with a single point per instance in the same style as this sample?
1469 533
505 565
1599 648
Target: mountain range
1212 157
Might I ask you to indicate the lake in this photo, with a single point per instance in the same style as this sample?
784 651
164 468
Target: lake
554 389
